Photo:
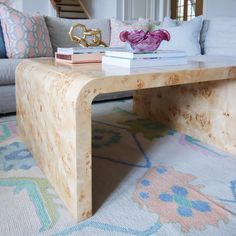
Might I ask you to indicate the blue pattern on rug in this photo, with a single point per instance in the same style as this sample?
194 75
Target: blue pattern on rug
196 145
142 138
7 131
184 205
37 189
147 164
15 156
104 138
233 190
109 228
173 197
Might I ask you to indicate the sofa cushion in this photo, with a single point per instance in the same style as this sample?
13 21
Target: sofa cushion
204 30
25 36
118 26
7 99
184 35
7 68
112 96
3 53
221 37
59 29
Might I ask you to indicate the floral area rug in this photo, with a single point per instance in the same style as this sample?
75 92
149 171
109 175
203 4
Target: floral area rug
147 180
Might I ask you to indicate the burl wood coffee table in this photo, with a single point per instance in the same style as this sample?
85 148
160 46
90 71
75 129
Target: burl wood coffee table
54 112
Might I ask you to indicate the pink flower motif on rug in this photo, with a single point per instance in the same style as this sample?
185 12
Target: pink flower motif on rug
169 193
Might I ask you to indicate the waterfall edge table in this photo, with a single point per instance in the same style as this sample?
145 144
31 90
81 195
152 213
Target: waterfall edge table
54 112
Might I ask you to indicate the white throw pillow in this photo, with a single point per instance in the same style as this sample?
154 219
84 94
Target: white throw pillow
221 37
184 35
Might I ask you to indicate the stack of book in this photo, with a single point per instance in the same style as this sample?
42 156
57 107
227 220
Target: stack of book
131 59
79 55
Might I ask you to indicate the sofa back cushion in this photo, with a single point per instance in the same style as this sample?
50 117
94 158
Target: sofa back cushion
185 35
221 37
25 36
3 53
59 30
205 26
118 26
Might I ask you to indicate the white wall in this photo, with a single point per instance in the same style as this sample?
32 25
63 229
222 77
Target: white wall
32 7
17 4
101 8
44 7
127 9
214 8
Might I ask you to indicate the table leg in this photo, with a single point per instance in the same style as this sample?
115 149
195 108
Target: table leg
56 127
205 111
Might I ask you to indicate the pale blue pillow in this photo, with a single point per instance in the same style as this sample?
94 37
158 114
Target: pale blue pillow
3 53
184 36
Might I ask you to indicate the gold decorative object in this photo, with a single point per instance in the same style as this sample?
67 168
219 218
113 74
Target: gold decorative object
96 35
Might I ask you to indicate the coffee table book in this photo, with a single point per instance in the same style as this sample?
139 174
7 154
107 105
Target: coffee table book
80 50
76 55
135 55
79 58
143 62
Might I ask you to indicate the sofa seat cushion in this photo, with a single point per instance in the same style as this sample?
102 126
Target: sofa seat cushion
7 99
213 59
7 70
113 96
59 30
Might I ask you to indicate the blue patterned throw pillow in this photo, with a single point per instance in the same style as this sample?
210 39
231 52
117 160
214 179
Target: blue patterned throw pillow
3 53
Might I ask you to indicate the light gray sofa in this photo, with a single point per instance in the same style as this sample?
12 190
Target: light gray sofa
7 84
58 30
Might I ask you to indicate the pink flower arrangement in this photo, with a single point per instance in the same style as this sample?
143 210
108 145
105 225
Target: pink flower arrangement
140 40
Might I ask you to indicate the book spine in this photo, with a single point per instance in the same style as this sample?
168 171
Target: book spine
143 55
129 63
78 58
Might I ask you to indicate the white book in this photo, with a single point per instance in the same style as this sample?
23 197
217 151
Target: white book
135 63
80 50
122 53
